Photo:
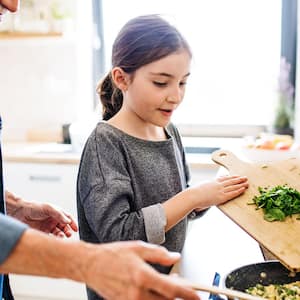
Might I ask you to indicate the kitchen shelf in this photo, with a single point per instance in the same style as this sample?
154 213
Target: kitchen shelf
25 35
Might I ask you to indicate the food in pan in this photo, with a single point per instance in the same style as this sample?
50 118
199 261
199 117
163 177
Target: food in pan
289 291
278 202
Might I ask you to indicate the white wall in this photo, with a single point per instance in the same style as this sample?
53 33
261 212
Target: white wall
38 84
46 82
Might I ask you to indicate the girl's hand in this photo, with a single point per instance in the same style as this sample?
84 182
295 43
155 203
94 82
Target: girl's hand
219 191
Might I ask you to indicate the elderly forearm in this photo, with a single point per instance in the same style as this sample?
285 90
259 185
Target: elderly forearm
42 255
115 270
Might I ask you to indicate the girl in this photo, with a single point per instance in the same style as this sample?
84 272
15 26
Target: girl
133 176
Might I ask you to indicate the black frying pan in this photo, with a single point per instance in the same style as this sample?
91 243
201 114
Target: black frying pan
269 272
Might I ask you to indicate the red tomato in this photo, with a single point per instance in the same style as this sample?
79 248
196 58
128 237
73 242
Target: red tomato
282 146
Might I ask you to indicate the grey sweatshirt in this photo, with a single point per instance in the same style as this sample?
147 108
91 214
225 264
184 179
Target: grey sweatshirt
121 184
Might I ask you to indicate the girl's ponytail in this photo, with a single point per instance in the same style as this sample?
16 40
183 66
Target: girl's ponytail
110 96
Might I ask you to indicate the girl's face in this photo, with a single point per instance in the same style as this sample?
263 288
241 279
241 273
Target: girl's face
157 89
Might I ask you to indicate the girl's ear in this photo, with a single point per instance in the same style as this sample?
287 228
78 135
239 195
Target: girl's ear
120 78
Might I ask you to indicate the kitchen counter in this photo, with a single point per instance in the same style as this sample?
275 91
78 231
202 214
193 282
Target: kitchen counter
215 244
63 154
198 152
40 153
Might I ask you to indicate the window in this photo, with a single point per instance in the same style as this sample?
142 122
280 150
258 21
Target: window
236 56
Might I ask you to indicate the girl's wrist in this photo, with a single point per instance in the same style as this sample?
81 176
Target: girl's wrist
195 197
191 198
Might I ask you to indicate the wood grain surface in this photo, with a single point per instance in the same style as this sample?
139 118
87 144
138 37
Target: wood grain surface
281 238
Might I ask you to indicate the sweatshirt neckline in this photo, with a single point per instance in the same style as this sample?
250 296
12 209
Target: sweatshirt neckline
126 135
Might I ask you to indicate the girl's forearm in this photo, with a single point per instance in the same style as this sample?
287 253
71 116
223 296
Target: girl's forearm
178 207
202 196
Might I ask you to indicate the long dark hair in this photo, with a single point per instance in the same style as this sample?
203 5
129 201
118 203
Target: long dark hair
141 41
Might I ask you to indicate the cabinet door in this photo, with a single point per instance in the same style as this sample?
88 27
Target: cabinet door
53 183
56 184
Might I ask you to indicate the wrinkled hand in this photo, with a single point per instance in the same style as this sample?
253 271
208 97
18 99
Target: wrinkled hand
49 219
41 216
118 271
220 190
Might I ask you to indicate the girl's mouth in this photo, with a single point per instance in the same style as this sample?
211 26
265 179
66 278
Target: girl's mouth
166 112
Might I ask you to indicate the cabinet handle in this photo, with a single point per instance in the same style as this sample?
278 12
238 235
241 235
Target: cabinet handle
44 178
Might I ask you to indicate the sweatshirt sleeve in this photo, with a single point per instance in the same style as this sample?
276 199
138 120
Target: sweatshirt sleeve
155 222
106 195
10 232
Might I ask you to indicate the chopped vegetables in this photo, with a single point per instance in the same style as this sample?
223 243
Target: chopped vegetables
278 202
290 291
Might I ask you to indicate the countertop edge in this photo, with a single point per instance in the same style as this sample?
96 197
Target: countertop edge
39 153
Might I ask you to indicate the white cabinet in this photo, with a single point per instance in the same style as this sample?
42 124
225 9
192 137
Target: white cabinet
56 184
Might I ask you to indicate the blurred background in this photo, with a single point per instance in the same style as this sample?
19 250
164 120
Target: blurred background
242 95
53 52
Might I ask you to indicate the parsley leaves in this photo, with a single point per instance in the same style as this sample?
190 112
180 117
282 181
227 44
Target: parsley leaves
278 202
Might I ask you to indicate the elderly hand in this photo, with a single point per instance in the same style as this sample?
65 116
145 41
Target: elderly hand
41 216
118 271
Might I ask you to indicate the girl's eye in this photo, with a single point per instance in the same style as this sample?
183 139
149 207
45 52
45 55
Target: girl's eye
160 83
182 83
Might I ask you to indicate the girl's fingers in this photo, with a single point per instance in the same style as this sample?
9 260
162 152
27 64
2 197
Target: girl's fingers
226 177
236 193
235 181
235 187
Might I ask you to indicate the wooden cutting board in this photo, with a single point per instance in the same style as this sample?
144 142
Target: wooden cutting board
282 239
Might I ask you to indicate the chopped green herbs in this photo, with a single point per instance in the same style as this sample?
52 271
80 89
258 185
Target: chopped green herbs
289 291
278 202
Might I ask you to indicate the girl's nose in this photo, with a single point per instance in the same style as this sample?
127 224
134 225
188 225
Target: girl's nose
174 98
